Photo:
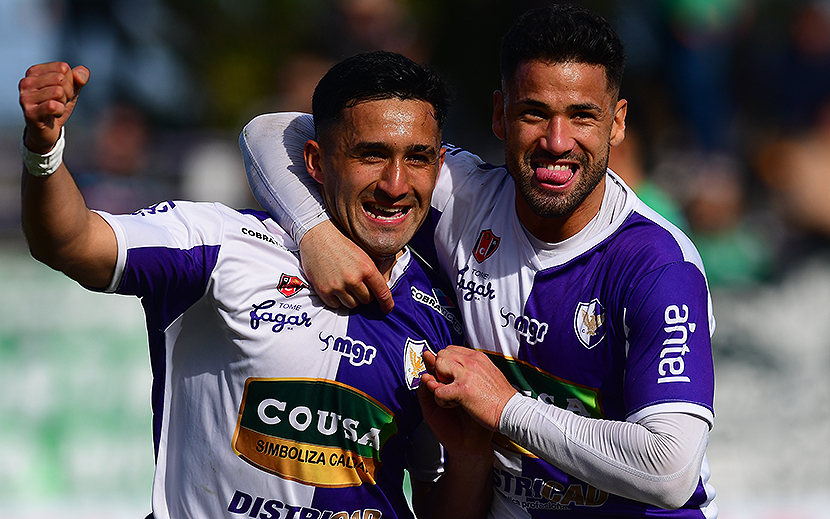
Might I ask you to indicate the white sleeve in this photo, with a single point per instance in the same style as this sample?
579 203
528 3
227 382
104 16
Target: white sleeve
656 460
272 149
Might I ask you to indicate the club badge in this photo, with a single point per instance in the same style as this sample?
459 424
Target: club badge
486 245
290 285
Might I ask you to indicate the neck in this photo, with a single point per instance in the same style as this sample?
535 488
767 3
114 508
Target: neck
557 229
386 264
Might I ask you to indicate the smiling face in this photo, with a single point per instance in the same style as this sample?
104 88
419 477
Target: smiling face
378 166
558 121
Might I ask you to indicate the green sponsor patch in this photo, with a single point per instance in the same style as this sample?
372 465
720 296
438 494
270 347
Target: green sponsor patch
317 412
534 382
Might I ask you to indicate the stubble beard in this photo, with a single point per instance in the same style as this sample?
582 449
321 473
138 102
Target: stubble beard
545 203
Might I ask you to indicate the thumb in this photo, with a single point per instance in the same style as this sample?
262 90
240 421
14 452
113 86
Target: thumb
80 77
429 360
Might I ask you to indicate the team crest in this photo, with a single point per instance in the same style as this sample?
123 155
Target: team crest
486 245
290 285
413 362
588 323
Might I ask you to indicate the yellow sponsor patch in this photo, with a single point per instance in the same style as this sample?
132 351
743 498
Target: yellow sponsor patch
303 462
317 432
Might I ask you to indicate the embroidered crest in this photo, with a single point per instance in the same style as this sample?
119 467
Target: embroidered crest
588 323
290 285
413 362
486 245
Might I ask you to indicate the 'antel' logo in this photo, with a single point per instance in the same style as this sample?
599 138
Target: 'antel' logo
290 285
486 245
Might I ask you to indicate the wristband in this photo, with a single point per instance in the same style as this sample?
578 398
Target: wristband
43 165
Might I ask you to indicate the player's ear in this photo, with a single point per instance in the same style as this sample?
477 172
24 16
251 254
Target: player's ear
442 154
498 114
312 159
618 126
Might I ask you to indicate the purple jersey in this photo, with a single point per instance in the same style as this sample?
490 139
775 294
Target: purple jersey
266 403
612 323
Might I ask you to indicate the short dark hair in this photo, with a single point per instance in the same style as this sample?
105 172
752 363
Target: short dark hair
372 76
563 33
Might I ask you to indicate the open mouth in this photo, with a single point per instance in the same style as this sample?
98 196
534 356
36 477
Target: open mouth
385 213
555 174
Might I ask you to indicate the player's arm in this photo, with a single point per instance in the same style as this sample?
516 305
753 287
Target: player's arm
61 231
656 460
340 271
468 465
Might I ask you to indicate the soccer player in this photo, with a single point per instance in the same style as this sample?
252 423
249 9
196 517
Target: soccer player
589 314
266 402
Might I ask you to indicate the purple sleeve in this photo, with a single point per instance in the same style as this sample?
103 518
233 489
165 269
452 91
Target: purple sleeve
169 251
669 345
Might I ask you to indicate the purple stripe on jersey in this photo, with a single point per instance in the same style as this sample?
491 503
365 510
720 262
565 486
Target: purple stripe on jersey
424 240
258 214
168 281
627 283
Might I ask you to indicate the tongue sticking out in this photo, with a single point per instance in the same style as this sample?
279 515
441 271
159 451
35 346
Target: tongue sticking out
558 175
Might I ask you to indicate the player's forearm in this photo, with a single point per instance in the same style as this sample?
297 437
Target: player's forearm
656 461
464 491
272 149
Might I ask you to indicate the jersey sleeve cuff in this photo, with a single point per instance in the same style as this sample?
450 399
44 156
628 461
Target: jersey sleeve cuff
121 260
691 408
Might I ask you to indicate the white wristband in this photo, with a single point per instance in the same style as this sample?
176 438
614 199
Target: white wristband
43 165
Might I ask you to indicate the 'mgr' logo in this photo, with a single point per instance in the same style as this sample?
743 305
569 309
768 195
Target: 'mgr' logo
532 330
588 321
486 245
359 353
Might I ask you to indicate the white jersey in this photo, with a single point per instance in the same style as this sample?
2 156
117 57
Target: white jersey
612 323
266 403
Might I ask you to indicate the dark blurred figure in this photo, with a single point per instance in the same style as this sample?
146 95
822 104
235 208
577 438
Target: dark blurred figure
804 81
737 245
703 36
628 162
296 82
118 181
348 27
796 169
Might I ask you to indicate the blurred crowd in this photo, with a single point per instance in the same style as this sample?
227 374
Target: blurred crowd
728 123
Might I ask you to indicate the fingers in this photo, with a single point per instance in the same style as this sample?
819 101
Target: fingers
448 361
340 271
80 75
331 300
47 96
356 289
429 360
466 377
348 293
376 284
